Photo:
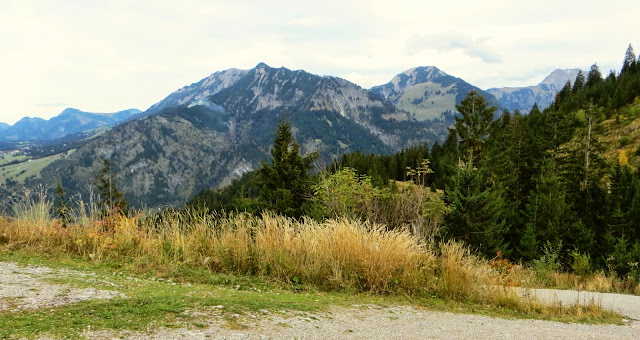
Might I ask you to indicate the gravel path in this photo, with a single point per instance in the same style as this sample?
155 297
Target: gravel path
391 323
626 305
26 287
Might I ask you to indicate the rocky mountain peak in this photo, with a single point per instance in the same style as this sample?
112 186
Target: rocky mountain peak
558 78
411 77
206 87
543 94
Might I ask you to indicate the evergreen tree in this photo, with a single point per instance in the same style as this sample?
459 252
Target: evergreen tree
477 212
62 207
286 183
563 94
595 76
473 127
547 211
629 60
111 199
579 83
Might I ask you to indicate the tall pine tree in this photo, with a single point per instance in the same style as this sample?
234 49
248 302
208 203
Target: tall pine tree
286 183
473 126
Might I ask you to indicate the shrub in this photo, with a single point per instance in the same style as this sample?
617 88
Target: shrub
581 263
625 140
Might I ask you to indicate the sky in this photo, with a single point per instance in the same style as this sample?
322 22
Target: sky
106 56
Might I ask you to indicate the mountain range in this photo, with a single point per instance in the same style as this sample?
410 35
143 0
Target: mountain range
543 94
212 138
213 131
68 122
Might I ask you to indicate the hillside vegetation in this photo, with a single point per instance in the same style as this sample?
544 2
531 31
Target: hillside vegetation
547 199
557 189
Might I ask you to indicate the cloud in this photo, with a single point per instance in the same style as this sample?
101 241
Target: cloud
52 105
449 42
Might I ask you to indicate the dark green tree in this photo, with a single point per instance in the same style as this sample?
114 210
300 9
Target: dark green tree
579 83
112 200
547 211
594 77
62 207
477 212
629 60
286 183
563 94
472 127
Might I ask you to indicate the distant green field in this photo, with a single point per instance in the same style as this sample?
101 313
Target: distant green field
21 171
8 159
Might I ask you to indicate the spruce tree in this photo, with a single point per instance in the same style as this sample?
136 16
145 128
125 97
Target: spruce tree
477 212
629 60
473 127
286 183
563 94
595 76
579 83
547 210
62 207
112 200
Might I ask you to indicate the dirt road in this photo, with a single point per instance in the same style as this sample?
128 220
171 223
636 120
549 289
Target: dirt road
28 288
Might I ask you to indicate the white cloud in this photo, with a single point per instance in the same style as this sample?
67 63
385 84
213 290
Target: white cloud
448 42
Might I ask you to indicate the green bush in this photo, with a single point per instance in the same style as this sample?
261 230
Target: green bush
549 262
626 140
581 263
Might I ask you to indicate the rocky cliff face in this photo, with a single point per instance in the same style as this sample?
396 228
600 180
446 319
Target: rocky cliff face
207 140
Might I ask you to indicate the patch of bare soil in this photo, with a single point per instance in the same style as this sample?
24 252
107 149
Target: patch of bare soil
27 288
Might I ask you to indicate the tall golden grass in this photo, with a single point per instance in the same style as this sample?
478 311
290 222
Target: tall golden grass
338 254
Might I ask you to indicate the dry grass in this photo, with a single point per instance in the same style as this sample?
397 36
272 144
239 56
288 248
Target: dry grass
338 255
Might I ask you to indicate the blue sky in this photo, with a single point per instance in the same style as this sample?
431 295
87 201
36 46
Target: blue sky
105 56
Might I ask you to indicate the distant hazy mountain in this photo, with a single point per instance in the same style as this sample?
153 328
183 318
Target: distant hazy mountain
426 92
523 98
213 131
4 126
68 122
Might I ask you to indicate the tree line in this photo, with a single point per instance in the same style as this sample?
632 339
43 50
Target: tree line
523 186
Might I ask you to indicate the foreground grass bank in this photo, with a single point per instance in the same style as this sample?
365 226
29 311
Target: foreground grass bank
195 298
285 265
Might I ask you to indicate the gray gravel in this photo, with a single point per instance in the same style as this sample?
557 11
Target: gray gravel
626 305
389 323
25 287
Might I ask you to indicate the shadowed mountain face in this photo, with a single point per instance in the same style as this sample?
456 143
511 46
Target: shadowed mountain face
68 122
223 126
427 92
523 98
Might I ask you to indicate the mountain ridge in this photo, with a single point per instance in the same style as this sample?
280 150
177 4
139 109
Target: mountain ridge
542 94
69 121
427 92
169 156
